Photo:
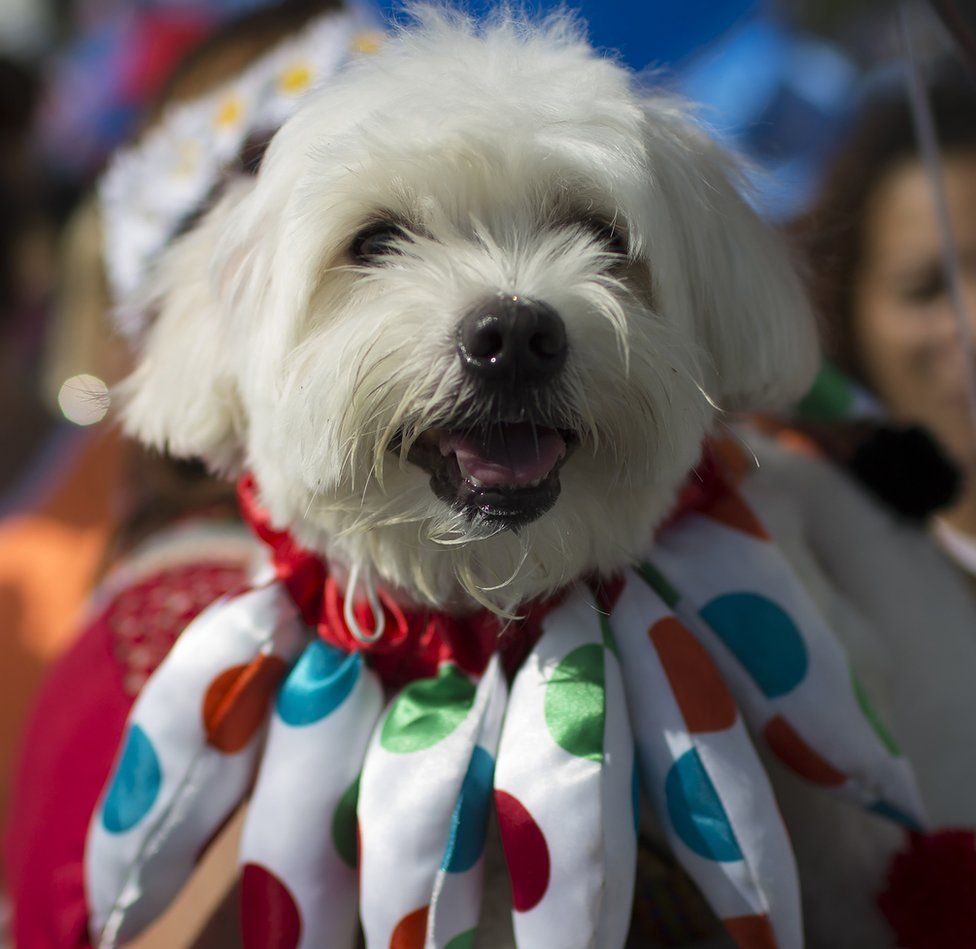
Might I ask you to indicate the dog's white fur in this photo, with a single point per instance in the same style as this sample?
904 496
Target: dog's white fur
272 351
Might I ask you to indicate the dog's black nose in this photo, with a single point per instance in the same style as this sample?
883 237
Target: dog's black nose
513 339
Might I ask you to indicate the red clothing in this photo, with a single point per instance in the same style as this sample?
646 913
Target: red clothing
74 734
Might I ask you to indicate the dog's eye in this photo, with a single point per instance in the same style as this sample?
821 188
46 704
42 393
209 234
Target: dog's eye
377 241
613 237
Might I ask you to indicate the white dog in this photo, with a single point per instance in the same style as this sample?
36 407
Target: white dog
471 322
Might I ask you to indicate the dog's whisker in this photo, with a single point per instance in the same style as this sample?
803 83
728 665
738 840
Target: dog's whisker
311 503
508 581
706 396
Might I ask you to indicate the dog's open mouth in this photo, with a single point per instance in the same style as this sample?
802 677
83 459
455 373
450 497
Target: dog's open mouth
507 473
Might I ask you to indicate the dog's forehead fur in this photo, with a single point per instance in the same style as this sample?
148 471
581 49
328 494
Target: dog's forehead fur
445 106
448 84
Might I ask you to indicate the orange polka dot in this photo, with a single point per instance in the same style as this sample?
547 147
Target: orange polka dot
751 932
236 702
729 509
411 930
799 443
699 689
797 755
735 462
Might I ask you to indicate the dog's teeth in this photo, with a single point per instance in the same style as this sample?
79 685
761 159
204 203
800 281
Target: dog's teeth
470 478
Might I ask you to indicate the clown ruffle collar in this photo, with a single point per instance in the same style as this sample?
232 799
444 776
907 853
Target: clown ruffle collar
643 689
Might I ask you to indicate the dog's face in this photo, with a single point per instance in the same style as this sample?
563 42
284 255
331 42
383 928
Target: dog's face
470 324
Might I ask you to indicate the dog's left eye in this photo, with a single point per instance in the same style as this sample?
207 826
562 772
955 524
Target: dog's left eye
613 237
376 241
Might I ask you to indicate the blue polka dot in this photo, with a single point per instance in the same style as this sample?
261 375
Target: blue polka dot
469 822
696 812
321 681
135 784
895 814
762 637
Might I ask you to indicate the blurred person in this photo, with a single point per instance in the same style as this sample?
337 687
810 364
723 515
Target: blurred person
25 274
62 487
874 251
49 538
153 526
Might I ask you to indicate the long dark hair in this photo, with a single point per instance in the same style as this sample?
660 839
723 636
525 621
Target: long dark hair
831 235
904 468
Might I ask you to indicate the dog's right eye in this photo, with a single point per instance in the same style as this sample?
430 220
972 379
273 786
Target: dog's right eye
377 241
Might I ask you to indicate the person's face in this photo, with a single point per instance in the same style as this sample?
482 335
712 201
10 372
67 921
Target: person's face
905 328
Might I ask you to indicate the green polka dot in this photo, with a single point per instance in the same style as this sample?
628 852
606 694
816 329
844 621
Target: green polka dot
427 711
574 703
464 941
872 716
344 824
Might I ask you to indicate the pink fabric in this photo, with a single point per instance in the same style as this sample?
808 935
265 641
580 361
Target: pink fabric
69 747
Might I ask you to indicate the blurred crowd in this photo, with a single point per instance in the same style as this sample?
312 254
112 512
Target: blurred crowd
827 117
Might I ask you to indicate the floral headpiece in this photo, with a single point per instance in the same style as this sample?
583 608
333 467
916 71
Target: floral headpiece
151 188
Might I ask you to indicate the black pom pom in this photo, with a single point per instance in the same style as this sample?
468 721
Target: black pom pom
906 469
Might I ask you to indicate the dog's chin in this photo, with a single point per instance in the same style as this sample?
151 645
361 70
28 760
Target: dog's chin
502 476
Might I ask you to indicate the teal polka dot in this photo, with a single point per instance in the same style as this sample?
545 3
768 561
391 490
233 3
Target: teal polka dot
696 812
469 822
321 681
135 785
762 637
895 814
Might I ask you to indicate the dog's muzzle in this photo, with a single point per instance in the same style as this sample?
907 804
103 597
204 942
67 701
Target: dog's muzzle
505 468
506 473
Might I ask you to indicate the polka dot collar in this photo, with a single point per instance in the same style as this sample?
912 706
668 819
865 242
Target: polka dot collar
370 803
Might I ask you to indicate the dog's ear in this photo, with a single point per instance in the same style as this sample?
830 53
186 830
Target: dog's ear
182 397
747 303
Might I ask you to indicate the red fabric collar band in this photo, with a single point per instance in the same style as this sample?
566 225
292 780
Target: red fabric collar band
416 641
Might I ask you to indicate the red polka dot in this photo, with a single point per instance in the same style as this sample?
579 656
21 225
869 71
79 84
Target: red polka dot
411 931
526 852
751 932
699 689
269 914
797 755
236 702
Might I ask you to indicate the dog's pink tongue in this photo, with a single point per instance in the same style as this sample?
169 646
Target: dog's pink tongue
516 454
